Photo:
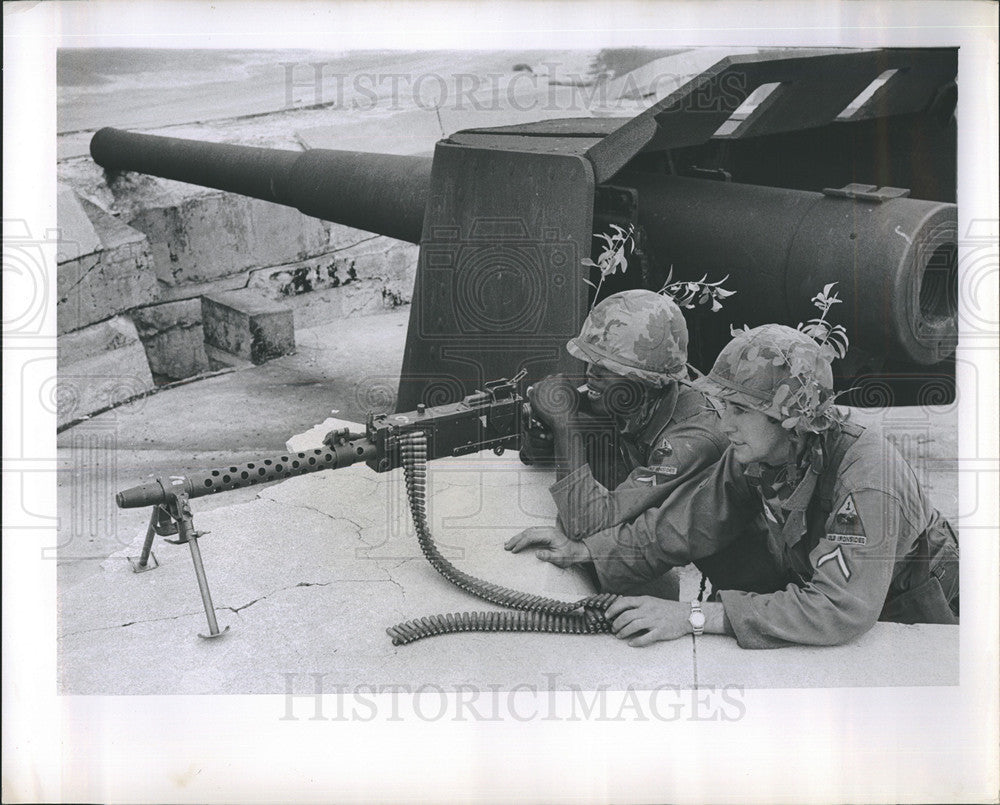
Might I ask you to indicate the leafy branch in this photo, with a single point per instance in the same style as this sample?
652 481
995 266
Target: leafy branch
612 259
832 337
621 242
688 294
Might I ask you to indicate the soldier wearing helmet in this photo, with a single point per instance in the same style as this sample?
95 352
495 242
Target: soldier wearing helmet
845 515
657 432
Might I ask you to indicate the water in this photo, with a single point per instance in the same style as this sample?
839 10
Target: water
148 88
151 88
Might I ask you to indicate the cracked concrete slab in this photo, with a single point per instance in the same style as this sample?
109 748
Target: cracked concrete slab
311 574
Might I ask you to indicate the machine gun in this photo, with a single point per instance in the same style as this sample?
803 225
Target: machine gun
491 419
496 418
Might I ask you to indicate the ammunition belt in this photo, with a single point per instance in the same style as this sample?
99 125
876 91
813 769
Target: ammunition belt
537 613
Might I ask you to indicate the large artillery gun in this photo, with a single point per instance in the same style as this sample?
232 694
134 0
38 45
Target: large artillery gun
843 170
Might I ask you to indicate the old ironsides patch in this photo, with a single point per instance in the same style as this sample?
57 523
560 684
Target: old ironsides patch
847 526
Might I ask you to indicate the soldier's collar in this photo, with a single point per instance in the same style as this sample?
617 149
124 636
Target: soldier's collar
657 411
799 478
803 492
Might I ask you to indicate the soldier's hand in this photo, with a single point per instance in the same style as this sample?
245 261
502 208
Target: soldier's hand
555 547
554 401
647 620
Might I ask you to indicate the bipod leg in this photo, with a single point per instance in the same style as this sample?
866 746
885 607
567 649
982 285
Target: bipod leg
206 596
141 565
185 524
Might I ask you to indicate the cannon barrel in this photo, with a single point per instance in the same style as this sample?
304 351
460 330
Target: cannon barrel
259 471
381 193
894 258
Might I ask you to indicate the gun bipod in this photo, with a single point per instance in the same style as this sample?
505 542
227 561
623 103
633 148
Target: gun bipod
173 516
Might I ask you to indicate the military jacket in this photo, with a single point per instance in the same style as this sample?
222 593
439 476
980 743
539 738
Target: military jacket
870 549
681 439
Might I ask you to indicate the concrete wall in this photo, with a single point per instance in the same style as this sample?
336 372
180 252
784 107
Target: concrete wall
146 250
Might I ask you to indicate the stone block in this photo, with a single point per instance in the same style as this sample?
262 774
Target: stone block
220 359
367 298
205 238
248 325
99 366
77 236
103 277
173 338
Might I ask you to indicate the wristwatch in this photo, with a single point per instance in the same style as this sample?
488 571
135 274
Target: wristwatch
697 618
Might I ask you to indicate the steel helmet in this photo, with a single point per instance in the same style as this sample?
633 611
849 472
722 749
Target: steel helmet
780 371
639 334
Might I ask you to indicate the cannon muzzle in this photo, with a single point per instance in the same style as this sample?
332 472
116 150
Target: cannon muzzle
381 193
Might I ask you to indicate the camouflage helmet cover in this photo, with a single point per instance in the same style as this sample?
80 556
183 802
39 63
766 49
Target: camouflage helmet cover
779 371
639 334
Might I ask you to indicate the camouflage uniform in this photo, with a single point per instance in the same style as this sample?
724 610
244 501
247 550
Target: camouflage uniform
850 524
679 441
641 335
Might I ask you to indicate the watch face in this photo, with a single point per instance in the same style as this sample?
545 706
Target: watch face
698 620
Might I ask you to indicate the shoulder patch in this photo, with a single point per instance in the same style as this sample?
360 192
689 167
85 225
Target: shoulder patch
848 512
845 526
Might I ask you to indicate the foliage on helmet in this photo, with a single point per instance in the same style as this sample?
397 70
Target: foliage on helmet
688 294
784 372
779 371
636 333
619 243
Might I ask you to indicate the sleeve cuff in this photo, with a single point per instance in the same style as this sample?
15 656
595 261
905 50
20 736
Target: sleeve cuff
567 482
602 546
739 617
566 494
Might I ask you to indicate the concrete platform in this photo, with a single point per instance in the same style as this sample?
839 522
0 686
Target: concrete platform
310 573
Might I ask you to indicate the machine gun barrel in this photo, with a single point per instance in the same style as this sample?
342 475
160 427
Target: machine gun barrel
491 419
381 193
237 476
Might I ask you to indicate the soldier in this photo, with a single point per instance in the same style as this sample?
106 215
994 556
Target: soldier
844 512
657 431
